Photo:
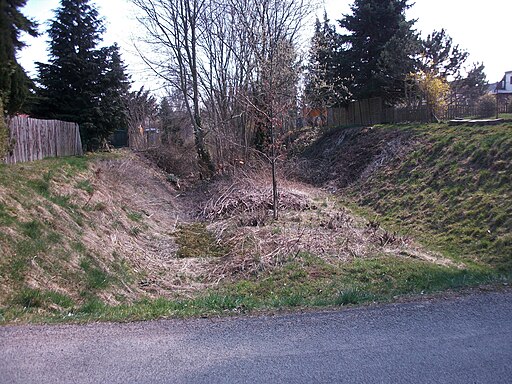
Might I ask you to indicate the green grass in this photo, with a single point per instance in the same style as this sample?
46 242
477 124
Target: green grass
86 186
304 282
454 191
30 298
134 216
194 240
7 217
95 277
28 236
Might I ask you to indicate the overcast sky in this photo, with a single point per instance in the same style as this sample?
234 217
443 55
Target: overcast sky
480 27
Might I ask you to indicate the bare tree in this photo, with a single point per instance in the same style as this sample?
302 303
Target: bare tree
172 29
272 28
141 108
235 62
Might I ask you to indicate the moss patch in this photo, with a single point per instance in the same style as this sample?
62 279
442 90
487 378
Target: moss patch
194 240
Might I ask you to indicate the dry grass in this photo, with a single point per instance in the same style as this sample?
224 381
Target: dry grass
121 220
240 214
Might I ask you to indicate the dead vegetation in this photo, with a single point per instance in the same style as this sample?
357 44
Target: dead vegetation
130 226
344 156
248 196
239 213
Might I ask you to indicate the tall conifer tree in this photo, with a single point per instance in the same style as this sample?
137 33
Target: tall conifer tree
14 83
82 83
324 85
378 48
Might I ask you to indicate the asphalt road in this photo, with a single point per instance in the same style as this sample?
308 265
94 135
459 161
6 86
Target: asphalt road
464 339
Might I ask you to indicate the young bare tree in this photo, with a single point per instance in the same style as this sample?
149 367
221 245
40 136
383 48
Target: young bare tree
272 28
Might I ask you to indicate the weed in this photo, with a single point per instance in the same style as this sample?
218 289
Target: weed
92 306
5 216
79 247
135 231
99 207
59 299
276 230
32 229
121 269
351 296
54 238
96 278
134 216
41 186
28 298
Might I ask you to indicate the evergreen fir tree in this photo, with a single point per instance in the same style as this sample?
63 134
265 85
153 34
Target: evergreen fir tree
440 57
378 49
114 86
82 83
324 85
14 82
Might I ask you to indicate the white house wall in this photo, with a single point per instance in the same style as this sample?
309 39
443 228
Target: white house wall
508 81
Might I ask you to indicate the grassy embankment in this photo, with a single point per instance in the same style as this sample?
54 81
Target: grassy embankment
41 239
450 188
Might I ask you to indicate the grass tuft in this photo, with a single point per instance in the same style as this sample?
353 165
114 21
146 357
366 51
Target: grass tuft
96 278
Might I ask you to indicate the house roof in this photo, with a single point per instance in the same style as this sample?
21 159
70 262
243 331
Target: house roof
491 87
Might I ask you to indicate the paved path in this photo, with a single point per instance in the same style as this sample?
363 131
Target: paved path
451 340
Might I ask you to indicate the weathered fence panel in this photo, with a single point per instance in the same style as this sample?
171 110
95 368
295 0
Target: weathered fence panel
143 139
34 139
372 111
364 112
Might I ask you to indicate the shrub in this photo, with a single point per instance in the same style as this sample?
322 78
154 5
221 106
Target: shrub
180 161
486 106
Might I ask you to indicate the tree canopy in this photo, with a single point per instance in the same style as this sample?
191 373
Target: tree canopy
82 82
440 56
14 82
324 84
378 48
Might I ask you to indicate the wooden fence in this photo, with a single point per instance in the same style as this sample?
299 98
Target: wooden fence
364 112
372 111
34 139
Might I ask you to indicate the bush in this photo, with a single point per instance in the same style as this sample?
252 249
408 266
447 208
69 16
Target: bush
486 106
176 160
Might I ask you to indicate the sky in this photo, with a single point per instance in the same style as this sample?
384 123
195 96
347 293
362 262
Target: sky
481 28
